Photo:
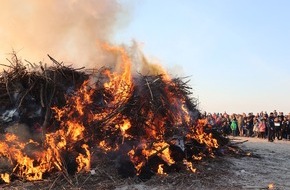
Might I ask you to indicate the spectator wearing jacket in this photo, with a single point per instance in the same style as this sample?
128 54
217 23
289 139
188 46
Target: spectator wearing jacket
240 121
234 126
278 127
271 126
256 127
284 128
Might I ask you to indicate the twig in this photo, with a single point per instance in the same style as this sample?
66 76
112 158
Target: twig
105 173
10 63
41 96
235 143
158 151
53 183
86 180
7 66
32 65
22 98
149 88
48 108
7 86
54 61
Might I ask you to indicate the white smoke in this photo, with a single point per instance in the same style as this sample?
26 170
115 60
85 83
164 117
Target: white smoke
68 30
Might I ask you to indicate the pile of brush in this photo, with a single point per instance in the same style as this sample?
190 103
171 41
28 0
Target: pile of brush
28 91
148 124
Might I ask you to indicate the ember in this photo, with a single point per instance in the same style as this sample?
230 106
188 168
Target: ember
150 121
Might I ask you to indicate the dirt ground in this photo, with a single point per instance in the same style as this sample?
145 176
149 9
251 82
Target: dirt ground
267 163
270 166
256 173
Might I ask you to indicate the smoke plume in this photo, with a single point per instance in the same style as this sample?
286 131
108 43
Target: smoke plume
69 30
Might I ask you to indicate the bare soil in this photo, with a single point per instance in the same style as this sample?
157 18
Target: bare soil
267 163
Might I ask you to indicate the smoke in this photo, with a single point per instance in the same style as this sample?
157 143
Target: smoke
68 30
142 64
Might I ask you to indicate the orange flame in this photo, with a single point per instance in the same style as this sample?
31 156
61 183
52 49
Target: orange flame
84 161
271 186
5 177
189 166
160 169
76 121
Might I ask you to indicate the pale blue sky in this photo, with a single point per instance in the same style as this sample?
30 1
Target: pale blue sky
236 52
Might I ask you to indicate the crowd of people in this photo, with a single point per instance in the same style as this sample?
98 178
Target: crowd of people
262 125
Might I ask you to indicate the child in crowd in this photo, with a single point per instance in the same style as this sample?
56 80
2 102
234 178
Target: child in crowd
256 127
262 128
234 127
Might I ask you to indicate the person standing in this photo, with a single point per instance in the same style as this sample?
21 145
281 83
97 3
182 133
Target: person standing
271 127
234 126
256 127
278 127
262 128
240 122
284 128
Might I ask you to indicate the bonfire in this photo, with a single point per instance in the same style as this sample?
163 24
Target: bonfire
54 118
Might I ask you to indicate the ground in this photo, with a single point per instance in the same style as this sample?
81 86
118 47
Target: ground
268 163
265 163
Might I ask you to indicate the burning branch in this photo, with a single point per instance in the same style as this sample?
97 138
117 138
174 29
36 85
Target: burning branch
76 112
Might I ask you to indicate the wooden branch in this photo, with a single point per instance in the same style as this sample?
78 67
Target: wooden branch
54 61
26 92
158 151
48 109
149 89
7 86
7 66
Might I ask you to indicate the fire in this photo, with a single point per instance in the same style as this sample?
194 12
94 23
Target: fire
271 186
160 169
5 177
202 137
162 150
189 166
99 114
103 145
84 161
119 84
124 127
12 149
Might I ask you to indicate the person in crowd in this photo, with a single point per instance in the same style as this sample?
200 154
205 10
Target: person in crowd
219 120
234 126
246 126
257 116
227 124
288 127
284 127
275 113
278 128
260 125
262 128
261 115
224 126
281 114
271 126
210 119
256 126
249 124
240 121
266 116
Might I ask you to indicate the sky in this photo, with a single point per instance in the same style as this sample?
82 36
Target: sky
235 53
